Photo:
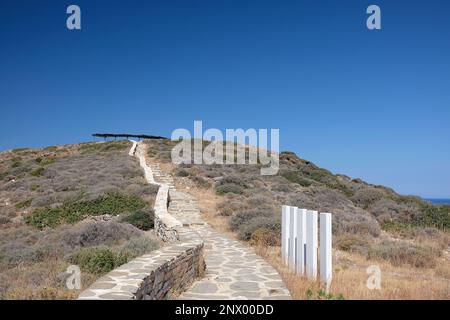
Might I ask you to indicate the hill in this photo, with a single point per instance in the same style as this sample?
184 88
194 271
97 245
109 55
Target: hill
85 204
89 205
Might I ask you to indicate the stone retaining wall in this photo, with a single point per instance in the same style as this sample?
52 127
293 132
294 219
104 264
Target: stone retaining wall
161 273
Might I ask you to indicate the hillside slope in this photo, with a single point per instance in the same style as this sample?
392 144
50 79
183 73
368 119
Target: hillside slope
85 204
371 221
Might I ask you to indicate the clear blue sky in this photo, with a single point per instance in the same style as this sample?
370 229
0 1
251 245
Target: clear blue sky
369 104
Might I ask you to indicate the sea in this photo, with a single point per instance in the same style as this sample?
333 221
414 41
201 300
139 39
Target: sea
439 201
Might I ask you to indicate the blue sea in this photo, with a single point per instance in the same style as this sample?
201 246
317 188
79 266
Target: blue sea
439 201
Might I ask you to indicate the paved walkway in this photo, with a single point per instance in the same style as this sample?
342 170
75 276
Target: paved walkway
233 271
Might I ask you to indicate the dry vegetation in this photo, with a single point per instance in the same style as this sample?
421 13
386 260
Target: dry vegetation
372 225
84 204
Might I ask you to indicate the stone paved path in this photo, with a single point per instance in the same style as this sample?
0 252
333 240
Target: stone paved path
233 271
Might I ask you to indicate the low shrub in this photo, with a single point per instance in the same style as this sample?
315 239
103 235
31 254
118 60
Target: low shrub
400 253
201 182
399 228
294 177
37 172
182 173
323 295
97 260
23 204
3 175
265 238
4 220
136 247
229 188
105 146
141 219
434 216
95 233
363 198
243 216
353 243
74 211
272 224
229 206
16 162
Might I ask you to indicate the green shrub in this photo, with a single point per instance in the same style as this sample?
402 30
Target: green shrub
341 188
434 216
38 172
323 295
24 204
73 211
16 162
400 228
143 220
229 188
34 187
46 217
3 175
294 177
98 260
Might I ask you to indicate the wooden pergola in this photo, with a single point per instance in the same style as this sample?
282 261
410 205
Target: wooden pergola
125 135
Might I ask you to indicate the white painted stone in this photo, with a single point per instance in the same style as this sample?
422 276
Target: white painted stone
292 236
285 233
301 241
325 249
311 244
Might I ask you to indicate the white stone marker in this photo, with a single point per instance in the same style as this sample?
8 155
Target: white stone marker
301 241
325 249
285 233
311 244
292 235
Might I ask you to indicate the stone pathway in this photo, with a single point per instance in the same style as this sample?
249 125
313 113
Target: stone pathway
233 271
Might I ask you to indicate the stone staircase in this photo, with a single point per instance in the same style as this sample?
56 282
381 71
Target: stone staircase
233 270
160 176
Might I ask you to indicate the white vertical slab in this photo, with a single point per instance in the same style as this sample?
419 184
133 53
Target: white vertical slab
285 233
311 244
301 241
325 249
292 234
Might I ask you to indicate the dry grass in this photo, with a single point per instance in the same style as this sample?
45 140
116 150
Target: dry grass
350 278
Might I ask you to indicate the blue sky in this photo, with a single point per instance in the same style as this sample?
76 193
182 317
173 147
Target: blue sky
369 104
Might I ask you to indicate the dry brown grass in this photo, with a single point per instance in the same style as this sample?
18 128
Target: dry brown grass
350 278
